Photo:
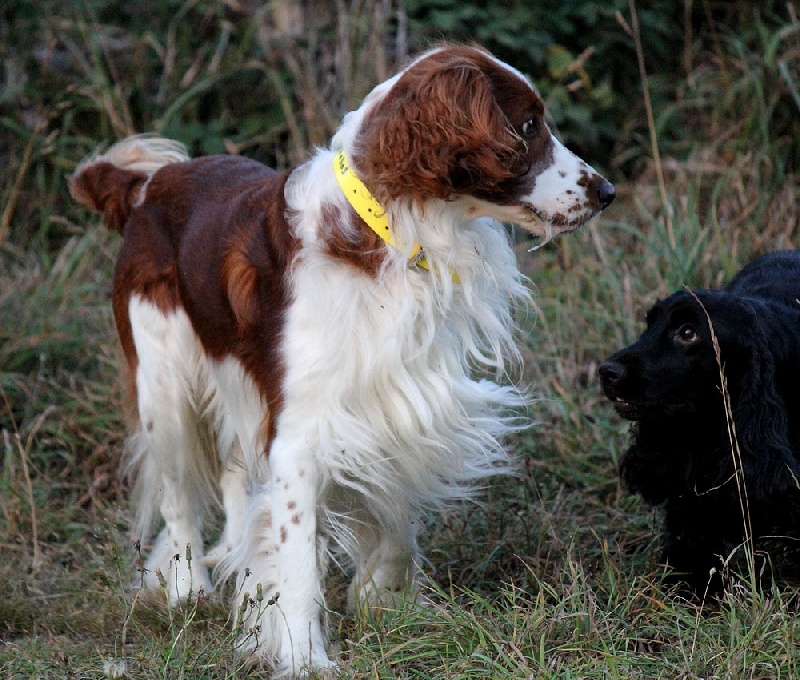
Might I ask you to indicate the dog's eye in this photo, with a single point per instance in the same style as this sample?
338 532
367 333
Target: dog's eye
529 128
686 334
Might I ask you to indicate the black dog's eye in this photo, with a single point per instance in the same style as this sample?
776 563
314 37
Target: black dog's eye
686 334
529 128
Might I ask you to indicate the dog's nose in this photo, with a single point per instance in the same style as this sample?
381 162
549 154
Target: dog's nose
606 193
611 372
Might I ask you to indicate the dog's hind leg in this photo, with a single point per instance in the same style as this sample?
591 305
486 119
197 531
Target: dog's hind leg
234 483
386 564
173 467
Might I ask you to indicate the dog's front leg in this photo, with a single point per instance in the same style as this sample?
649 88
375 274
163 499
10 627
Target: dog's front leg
694 543
295 490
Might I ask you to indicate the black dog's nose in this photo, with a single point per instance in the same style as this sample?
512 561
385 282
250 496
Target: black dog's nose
606 193
611 372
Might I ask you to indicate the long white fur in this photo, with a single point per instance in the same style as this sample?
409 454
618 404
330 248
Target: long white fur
169 454
394 423
145 153
382 416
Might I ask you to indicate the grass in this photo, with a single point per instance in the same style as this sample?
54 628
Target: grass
554 576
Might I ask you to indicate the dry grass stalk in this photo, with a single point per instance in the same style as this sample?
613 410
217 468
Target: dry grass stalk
333 54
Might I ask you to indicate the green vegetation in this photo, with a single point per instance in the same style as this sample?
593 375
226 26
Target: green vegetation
555 575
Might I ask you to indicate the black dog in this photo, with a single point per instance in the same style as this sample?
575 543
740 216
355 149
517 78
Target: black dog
682 455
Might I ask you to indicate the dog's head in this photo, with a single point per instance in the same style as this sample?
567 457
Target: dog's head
461 126
671 377
673 369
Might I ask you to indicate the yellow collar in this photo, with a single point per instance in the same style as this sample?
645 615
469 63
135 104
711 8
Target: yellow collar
368 208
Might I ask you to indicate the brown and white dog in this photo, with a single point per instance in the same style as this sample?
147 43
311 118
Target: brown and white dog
305 342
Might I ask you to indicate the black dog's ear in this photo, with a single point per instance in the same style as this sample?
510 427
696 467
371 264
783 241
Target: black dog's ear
762 424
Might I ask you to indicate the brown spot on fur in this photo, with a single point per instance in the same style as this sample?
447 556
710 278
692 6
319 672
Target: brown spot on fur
350 239
284 534
592 183
291 505
296 518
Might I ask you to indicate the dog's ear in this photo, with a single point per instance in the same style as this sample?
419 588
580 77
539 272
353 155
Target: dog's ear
467 146
762 421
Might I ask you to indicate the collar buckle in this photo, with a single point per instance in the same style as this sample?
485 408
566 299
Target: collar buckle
417 259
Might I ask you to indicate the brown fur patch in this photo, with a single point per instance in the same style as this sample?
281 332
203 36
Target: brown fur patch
450 126
211 236
240 277
361 247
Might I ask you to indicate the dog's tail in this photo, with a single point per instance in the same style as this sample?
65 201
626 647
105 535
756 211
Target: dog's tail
113 182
